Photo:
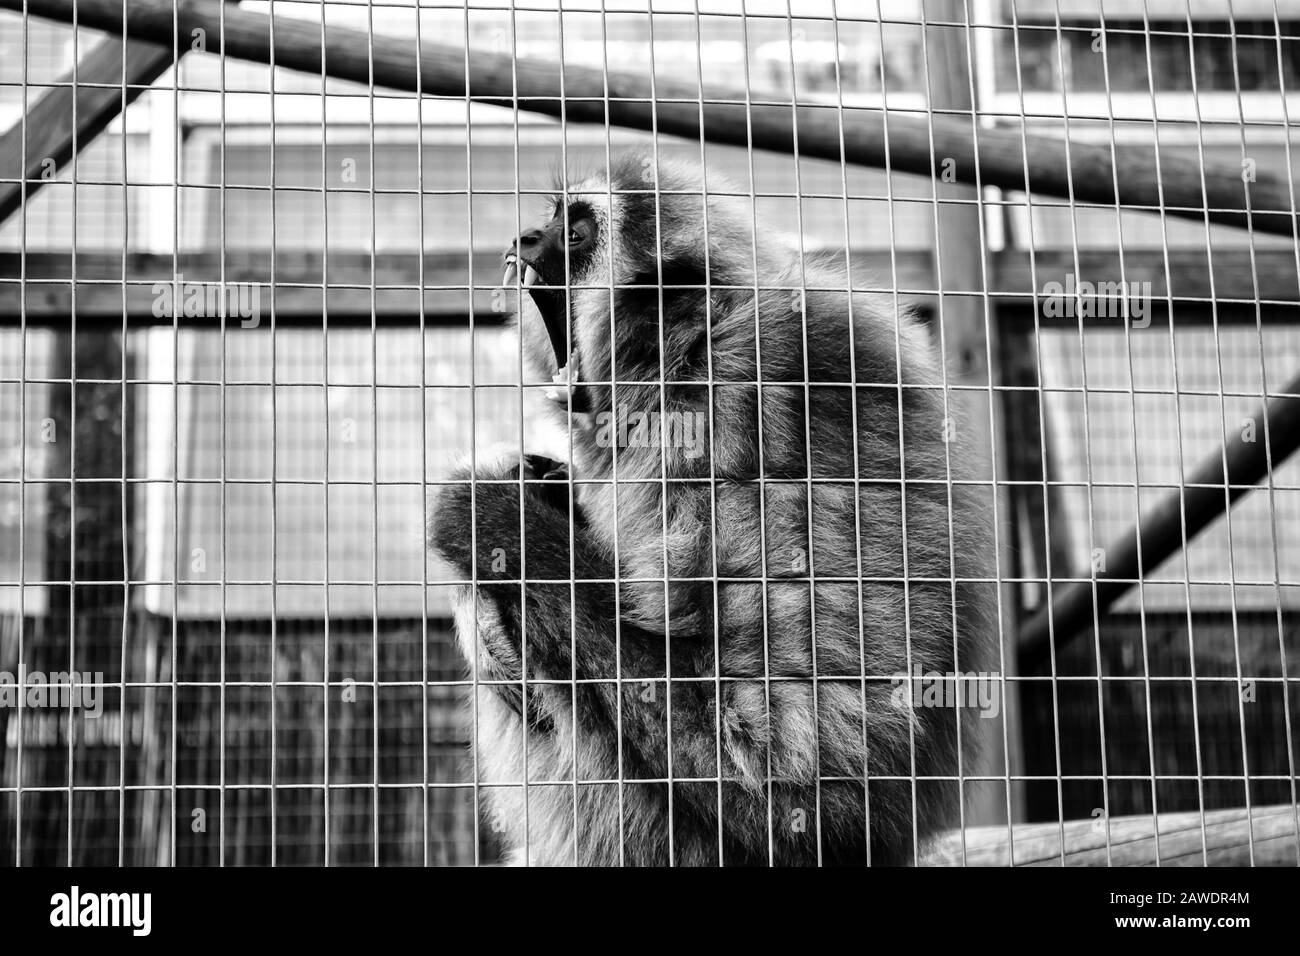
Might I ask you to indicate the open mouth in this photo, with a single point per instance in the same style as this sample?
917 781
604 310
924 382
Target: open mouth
551 300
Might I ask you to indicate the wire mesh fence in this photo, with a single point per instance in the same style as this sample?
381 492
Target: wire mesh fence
252 318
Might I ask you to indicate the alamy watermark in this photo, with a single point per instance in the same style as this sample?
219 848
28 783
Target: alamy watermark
980 690
1079 298
625 428
80 908
208 300
57 690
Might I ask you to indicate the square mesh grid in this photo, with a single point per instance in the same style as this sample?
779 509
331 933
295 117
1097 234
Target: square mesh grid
221 520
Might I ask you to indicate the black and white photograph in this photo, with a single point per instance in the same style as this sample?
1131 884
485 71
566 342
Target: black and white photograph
649 433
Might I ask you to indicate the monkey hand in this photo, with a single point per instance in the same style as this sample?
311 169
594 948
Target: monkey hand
475 523
476 526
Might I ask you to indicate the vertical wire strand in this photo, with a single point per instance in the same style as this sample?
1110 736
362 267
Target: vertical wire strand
613 400
982 52
223 411
1232 575
855 423
940 324
1263 380
891 200
1169 286
523 501
22 444
807 425
72 458
1040 366
952 553
473 595
1268 447
374 445
424 421
326 685
1089 482
1218 364
122 450
174 131
1140 586
568 397
275 443
762 466
994 439
1178 425
1164 236
663 454
713 471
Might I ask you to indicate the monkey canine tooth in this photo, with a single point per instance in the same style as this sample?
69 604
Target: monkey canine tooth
560 387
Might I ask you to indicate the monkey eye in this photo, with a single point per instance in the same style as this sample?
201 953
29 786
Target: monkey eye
580 232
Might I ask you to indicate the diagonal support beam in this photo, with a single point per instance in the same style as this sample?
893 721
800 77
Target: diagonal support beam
100 87
53 137
1204 497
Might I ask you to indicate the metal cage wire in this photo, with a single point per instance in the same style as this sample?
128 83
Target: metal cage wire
306 445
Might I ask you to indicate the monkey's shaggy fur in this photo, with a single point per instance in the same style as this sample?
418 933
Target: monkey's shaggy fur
866 594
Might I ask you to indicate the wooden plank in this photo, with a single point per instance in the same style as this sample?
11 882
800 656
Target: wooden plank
53 137
1190 272
297 290
49 298
298 279
1134 840
1148 175
258 265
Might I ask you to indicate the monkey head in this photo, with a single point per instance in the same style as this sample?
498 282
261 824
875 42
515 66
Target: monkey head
616 253
553 262
547 261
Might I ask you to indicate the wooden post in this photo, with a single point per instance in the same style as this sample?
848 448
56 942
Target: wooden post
962 266
81 630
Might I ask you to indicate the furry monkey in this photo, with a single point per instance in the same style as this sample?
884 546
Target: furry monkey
754 538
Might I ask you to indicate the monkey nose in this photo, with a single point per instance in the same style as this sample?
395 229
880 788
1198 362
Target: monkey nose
530 240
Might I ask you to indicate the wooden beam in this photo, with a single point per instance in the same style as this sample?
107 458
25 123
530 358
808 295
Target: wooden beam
296 291
99 291
1167 528
299 275
1190 272
260 266
1134 841
68 117
1147 175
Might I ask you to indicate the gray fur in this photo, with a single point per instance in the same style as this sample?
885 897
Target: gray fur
773 742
